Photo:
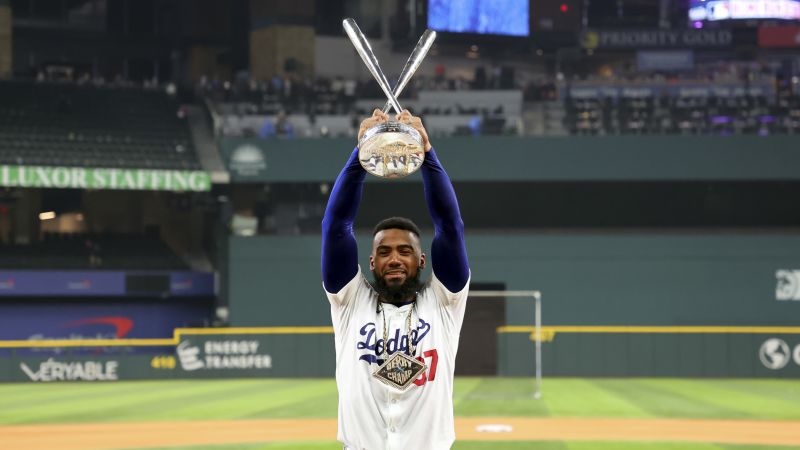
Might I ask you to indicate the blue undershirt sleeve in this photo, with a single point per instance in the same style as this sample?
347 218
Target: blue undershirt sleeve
448 250
339 247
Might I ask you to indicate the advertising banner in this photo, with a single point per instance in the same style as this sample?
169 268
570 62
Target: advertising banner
784 36
6 39
656 38
713 10
787 285
64 368
224 353
52 369
76 283
199 353
780 355
288 352
196 284
246 160
657 354
98 319
670 60
202 354
52 283
104 178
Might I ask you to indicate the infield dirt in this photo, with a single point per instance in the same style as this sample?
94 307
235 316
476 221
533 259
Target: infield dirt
128 435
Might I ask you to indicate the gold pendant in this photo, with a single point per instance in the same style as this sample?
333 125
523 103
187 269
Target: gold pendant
399 371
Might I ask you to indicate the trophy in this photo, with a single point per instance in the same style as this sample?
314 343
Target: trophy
390 149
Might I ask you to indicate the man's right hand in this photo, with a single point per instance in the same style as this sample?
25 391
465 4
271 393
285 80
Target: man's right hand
378 117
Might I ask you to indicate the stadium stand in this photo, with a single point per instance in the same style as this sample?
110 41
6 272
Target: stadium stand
66 124
322 107
657 105
706 114
103 251
761 103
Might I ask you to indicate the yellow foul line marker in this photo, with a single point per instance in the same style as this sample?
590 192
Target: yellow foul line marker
548 334
156 342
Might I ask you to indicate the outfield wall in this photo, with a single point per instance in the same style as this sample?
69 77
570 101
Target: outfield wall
586 279
771 352
198 353
759 352
613 305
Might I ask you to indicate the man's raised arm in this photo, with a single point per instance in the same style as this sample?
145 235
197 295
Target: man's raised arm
448 251
339 247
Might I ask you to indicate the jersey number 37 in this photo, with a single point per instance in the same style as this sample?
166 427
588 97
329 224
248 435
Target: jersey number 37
430 374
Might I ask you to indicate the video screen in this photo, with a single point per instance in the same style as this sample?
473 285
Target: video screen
713 10
503 17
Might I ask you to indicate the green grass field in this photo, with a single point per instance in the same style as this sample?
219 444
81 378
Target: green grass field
288 398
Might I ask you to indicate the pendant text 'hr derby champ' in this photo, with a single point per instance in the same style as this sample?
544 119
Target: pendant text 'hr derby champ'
399 371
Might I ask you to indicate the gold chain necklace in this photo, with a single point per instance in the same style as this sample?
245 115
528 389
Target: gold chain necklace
400 370
411 345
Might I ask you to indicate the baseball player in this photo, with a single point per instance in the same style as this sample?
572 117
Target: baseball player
396 339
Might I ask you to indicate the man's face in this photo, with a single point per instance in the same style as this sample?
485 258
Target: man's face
396 256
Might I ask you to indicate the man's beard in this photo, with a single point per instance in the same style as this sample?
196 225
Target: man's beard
399 293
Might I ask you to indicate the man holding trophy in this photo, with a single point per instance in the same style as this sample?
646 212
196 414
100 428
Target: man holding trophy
396 340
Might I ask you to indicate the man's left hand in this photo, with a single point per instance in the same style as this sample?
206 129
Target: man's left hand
415 122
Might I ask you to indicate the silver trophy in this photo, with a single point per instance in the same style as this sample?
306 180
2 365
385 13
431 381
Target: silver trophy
391 149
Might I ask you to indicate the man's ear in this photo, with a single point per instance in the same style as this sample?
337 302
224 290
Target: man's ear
371 263
422 261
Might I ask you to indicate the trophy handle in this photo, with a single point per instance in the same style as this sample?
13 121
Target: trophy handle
420 51
365 51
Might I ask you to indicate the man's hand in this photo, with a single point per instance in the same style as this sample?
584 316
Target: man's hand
415 122
378 117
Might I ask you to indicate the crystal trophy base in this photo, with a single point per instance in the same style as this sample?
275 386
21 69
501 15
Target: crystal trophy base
391 150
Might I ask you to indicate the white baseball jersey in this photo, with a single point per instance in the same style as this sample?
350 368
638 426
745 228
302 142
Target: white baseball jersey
372 415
